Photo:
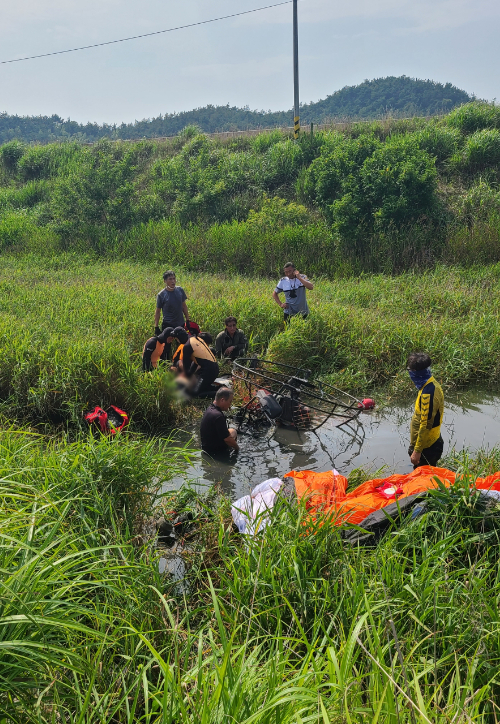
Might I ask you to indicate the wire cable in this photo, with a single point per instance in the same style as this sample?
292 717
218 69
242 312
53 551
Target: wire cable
146 35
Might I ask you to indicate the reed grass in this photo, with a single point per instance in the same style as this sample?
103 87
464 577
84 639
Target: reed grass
292 626
72 332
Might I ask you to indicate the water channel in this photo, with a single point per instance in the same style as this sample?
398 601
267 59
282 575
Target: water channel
377 438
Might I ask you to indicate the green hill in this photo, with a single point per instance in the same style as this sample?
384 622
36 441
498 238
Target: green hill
372 99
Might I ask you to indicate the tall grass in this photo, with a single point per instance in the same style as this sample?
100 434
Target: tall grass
72 332
292 626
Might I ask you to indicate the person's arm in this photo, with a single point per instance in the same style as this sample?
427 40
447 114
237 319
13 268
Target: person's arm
231 442
185 311
277 300
149 348
243 343
157 321
218 344
223 433
304 280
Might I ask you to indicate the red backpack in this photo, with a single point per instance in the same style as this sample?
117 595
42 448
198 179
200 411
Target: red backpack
192 328
109 421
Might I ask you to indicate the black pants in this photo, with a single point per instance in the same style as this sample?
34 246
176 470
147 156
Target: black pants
287 317
208 373
232 355
430 455
167 352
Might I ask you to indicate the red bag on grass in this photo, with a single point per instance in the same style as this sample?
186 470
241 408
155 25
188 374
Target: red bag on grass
109 421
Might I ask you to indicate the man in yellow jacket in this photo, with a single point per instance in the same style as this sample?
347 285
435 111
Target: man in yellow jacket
426 443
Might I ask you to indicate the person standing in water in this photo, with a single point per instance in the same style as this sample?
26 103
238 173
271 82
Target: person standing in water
426 443
293 285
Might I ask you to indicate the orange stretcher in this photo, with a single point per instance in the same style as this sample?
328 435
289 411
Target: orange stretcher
325 493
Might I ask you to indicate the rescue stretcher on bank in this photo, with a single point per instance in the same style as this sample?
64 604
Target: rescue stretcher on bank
274 393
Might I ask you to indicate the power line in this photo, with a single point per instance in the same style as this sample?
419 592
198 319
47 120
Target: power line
146 35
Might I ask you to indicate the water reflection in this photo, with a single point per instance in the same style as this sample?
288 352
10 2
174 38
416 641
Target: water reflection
376 438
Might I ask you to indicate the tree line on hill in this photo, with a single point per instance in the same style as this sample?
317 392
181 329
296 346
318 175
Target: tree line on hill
394 96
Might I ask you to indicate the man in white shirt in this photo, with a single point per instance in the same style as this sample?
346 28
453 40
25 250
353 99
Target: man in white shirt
294 286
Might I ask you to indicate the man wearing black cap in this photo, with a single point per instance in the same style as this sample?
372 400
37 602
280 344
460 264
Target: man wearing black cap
198 361
155 349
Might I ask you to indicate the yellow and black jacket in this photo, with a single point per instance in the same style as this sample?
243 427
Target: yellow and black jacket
428 416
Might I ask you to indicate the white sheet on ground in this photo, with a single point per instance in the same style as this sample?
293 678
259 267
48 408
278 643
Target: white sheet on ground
251 513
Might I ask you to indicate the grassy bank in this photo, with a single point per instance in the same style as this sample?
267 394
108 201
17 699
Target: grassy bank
294 626
386 196
72 332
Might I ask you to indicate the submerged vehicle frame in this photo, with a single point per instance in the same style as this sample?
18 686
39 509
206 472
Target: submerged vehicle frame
295 400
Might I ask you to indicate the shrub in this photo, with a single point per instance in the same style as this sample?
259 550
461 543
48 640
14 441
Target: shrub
474 116
329 176
479 203
439 142
482 150
35 163
264 141
365 186
11 153
277 213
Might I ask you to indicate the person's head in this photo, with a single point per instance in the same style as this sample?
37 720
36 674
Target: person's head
418 361
166 336
180 335
289 270
231 325
169 279
223 398
206 337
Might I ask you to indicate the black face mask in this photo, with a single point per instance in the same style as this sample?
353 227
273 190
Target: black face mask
292 294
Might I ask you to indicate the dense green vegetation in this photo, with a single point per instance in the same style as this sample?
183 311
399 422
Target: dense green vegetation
377 98
384 196
72 332
294 626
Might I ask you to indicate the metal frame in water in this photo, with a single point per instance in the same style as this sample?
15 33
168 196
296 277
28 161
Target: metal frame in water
304 403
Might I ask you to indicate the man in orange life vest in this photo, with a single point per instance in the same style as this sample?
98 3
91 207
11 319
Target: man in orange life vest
156 349
198 361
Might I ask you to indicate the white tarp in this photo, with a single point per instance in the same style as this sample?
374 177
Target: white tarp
250 513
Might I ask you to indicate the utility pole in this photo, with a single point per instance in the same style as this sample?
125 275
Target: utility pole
296 108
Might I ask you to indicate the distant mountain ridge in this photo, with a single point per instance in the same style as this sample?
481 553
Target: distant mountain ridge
397 96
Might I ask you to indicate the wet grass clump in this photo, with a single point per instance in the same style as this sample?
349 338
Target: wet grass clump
291 626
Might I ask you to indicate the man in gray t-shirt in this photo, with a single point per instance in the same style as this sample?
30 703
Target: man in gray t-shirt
294 286
171 301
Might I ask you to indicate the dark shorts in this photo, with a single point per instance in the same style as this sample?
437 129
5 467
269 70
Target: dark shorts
287 317
430 455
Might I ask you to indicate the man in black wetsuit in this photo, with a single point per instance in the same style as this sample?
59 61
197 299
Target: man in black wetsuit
215 435
156 349
199 363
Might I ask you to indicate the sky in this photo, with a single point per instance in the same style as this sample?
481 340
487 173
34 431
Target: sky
244 61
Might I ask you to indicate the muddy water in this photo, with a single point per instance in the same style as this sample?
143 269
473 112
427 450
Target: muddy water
375 439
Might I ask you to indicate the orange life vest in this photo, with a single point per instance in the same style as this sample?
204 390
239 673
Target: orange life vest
156 354
178 354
